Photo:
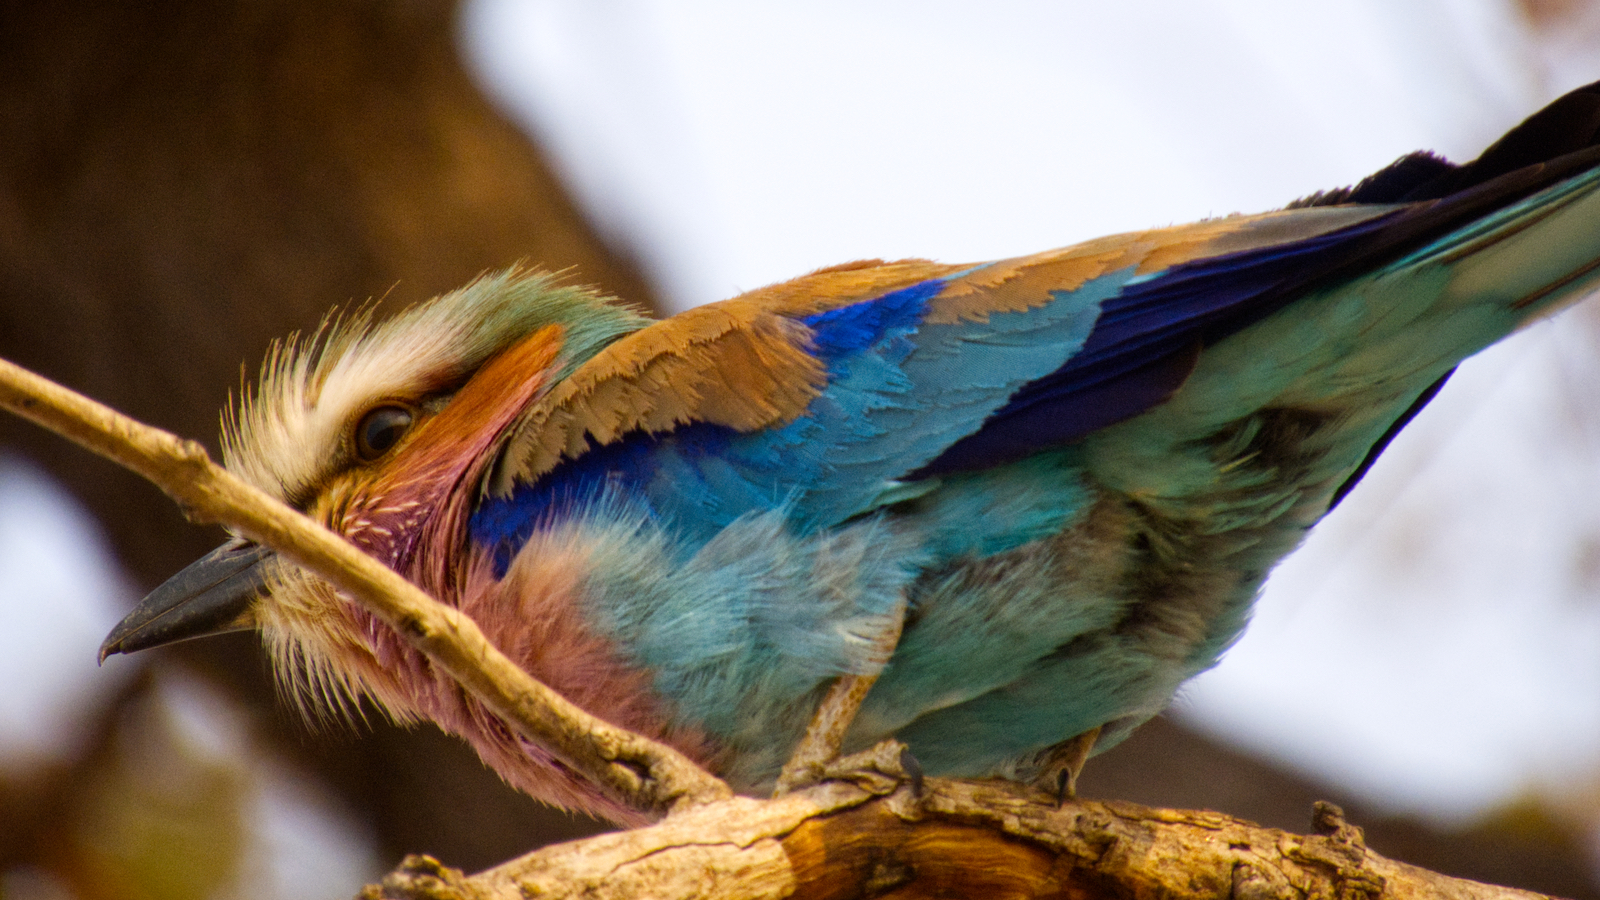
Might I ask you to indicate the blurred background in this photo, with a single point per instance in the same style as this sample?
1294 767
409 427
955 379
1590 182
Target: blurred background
182 182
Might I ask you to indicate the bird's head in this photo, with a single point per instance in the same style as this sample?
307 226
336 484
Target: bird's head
383 433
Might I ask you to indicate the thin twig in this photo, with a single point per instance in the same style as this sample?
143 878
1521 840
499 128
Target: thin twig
635 770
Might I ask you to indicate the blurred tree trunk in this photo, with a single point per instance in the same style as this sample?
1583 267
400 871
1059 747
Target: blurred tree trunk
181 182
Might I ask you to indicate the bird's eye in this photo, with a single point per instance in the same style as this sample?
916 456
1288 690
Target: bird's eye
379 430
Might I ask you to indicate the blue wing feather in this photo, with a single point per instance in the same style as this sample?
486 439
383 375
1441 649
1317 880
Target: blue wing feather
1144 344
909 399
900 391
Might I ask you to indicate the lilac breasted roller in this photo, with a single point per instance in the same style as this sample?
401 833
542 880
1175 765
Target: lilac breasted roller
1061 478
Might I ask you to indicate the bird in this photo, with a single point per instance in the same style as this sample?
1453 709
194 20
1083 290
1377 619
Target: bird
1029 497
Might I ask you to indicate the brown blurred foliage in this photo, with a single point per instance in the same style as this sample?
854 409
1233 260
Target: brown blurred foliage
1552 13
141 814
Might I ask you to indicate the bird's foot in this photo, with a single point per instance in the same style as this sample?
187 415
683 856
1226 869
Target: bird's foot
1064 762
818 750
819 747
879 769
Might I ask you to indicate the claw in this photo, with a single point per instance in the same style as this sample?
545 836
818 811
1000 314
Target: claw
913 771
1064 762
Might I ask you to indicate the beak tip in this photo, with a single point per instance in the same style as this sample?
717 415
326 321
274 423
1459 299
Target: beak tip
211 596
112 645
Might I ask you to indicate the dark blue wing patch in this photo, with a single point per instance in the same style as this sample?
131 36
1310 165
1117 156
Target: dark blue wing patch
1145 343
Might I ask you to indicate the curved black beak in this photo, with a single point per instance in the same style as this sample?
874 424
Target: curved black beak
212 596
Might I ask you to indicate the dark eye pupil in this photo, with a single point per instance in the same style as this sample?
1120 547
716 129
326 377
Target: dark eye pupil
379 430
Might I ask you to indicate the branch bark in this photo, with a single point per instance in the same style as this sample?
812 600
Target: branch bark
957 839
877 833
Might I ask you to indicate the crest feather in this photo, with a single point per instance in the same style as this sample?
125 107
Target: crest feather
286 435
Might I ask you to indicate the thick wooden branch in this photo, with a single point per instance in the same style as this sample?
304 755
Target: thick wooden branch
957 839
873 833
641 773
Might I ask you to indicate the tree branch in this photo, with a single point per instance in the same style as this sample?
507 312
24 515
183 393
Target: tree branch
958 839
639 772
